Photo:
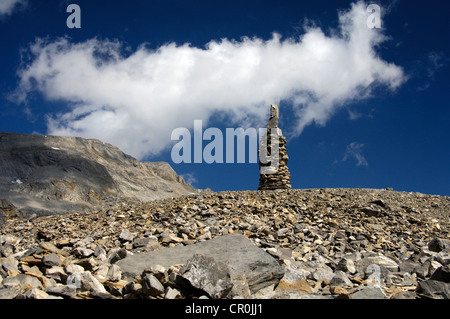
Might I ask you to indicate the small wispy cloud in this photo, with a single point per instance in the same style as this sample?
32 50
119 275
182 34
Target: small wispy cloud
354 150
432 63
8 6
436 60
189 178
354 114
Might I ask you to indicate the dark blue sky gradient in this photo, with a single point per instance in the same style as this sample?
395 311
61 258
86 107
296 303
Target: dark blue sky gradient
405 134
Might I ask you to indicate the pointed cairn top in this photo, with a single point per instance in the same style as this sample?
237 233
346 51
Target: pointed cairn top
274 117
274 174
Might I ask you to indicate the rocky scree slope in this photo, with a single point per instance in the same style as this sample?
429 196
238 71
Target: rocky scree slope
330 243
50 174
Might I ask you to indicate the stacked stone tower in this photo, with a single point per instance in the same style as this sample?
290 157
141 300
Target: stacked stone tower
273 158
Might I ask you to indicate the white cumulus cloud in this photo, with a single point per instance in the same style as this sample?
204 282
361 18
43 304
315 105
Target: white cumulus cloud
7 6
135 100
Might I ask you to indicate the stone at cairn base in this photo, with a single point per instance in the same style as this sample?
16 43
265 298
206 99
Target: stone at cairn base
274 174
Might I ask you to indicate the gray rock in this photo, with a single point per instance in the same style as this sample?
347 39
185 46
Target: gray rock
48 246
22 281
442 274
434 289
159 272
36 293
50 260
10 292
282 231
172 293
207 274
89 264
443 258
126 235
374 268
146 243
6 249
152 286
434 265
68 291
404 295
132 288
85 282
117 254
408 266
101 295
304 268
422 270
346 265
314 296
9 239
438 244
340 279
371 211
240 288
114 273
140 242
241 256
322 272
83 252
279 252
73 268
57 273
100 253
9 263
369 293
384 261
292 274
101 273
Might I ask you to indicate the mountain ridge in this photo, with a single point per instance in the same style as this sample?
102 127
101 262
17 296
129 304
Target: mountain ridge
53 174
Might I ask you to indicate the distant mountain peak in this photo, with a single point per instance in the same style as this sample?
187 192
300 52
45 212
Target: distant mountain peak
54 174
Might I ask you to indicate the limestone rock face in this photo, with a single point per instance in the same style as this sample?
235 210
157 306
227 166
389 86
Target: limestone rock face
274 173
50 174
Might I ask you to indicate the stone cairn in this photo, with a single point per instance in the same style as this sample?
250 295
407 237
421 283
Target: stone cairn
274 173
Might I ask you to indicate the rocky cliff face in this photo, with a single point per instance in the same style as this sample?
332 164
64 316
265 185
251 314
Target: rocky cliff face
49 174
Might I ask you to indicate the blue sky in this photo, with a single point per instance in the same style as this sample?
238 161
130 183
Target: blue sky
360 107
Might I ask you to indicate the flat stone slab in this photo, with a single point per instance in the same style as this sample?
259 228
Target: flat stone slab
241 256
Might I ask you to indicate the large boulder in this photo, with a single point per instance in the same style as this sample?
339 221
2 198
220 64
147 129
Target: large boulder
238 253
